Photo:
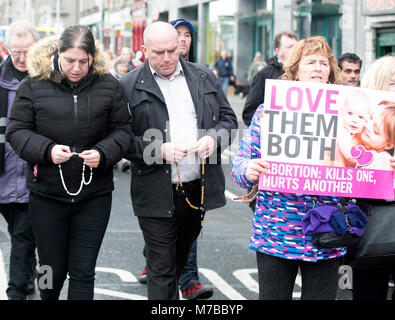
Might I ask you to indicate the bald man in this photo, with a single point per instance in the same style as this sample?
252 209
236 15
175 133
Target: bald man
181 123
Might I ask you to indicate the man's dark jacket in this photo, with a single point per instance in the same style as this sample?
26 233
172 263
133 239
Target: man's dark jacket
151 185
273 70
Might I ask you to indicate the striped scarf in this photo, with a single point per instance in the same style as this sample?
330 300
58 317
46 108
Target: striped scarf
3 122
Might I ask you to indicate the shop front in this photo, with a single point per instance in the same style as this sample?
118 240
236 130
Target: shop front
380 16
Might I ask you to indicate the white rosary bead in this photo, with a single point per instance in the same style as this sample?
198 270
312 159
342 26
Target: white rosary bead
83 181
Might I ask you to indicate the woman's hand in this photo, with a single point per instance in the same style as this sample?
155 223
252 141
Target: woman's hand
255 167
91 157
60 153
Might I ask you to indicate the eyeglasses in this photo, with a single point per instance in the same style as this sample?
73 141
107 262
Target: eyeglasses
18 53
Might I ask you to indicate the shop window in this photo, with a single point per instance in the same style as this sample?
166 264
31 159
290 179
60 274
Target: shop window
385 43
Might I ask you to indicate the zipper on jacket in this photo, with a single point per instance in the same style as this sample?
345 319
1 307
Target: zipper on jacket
75 97
75 116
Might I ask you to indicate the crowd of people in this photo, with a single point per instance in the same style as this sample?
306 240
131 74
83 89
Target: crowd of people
70 115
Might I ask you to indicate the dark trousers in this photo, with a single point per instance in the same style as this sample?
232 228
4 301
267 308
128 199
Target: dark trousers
23 246
277 278
69 236
190 273
371 284
169 241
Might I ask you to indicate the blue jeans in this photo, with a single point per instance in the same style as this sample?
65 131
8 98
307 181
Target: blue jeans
190 273
224 84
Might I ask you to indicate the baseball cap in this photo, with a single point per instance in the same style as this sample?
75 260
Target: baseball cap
180 22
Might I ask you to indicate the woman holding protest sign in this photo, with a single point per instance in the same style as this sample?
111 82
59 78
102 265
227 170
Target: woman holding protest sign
277 235
370 282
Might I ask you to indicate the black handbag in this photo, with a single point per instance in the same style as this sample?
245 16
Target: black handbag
376 248
329 240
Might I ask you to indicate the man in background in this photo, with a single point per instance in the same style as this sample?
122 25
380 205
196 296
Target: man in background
225 70
282 43
14 195
350 69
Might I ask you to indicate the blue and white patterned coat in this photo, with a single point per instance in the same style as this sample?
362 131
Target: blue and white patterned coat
276 227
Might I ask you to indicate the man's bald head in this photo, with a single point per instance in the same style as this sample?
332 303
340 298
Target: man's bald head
161 47
158 30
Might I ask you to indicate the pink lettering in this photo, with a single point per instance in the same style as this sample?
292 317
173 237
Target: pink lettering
313 106
372 4
389 4
295 101
330 101
273 102
298 105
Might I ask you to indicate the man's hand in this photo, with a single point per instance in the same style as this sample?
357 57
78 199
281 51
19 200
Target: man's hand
204 147
255 167
172 152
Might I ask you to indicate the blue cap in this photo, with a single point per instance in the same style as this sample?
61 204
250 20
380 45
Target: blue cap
185 23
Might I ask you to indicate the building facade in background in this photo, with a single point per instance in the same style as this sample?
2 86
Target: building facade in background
365 27
49 16
111 21
242 27
378 29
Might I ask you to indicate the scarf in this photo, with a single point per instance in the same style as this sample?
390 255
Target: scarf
3 122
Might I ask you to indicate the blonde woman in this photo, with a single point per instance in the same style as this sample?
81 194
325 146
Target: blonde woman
380 75
372 284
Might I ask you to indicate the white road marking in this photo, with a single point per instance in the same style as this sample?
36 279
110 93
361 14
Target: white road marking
221 284
125 276
119 294
298 282
3 279
244 276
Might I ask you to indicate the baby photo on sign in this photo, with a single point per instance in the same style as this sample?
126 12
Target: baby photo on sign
367 134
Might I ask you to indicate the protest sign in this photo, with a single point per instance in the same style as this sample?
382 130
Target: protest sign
324 139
